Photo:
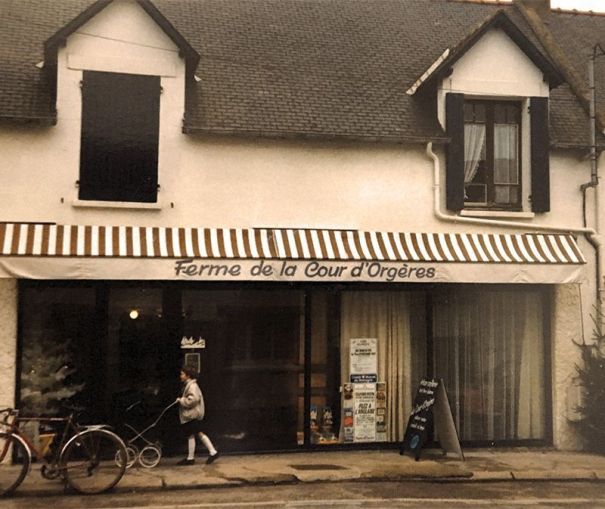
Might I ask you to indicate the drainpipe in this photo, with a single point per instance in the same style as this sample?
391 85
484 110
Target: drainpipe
597 50
590 233
594 176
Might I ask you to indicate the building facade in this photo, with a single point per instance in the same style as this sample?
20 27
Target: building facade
314 202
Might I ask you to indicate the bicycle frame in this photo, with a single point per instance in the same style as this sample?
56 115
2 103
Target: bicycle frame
77 457
69 429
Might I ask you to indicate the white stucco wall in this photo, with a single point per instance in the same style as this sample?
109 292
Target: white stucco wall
493 67
8 341
566 328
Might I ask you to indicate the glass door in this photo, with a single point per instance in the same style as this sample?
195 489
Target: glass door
250 363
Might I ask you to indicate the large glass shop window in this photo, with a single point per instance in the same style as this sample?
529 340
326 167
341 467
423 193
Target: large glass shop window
140 366
57 349
489 349
391 324
250 359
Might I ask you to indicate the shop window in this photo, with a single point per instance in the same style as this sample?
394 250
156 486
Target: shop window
395 321
137 342
119 142
489 349
57 336
325 394
250 364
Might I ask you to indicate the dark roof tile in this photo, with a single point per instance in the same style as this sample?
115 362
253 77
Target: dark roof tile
317 68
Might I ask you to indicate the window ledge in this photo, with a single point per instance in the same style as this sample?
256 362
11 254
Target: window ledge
497 213
94 204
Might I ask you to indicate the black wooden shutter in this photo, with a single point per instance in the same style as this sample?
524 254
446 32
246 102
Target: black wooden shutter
454 155
540 145
120 136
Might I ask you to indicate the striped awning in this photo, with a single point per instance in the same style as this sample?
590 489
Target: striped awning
52 240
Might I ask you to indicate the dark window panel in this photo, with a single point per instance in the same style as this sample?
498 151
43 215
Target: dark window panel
120 130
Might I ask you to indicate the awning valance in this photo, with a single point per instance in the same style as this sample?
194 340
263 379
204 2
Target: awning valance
52 240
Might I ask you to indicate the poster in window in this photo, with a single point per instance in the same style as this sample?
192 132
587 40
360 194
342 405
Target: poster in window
381 412
193 359
364 412
347 413
364 360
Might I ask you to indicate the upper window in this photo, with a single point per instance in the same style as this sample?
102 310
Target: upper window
483 156
120 131
492 170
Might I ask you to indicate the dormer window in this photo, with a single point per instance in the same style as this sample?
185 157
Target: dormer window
120 133
492 169
483 157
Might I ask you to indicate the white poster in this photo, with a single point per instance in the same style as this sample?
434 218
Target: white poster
364 360
364 408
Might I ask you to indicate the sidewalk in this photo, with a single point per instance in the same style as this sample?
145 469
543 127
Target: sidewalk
231 471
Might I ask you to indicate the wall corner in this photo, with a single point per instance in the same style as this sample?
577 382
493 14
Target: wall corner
8 341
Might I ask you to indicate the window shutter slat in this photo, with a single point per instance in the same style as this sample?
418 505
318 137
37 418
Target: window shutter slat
540 144
454 155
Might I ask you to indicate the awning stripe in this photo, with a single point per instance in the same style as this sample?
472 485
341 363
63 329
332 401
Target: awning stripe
468 250
30 239
502 249
423 249
534 249
571 249
408 244
402 253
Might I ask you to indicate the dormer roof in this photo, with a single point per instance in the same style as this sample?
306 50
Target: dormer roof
497 20
60 36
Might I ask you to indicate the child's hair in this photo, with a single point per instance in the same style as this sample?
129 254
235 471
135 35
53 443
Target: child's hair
190 371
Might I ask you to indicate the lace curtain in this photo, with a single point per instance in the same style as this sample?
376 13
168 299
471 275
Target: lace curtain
505 162
474 141
489 349
385 316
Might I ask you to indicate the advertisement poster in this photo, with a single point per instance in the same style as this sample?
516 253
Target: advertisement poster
364 412
364 360
347 413
381 412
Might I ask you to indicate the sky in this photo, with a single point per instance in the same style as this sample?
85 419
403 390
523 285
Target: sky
580 5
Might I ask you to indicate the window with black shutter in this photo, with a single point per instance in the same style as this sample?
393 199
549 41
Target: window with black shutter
120 131
483 157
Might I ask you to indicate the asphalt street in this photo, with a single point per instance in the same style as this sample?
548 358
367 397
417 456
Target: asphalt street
434 495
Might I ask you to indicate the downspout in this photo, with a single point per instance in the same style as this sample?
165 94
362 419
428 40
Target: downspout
594 176
590 233
597 50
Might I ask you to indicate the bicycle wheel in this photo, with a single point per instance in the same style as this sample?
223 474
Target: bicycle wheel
14 462
94 461
150 456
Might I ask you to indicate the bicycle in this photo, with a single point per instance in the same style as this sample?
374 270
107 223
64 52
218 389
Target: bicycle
90 459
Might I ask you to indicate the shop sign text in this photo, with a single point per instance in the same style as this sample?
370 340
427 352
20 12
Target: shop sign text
312 270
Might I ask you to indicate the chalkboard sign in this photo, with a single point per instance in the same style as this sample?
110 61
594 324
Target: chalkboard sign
431 407
420 422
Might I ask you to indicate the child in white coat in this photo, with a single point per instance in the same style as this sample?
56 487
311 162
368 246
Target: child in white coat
191 413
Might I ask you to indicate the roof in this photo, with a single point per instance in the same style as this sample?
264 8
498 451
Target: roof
304 68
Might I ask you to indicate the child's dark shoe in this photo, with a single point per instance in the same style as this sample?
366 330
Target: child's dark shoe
212 458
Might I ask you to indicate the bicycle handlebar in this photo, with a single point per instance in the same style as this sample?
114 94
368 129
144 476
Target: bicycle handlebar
7 413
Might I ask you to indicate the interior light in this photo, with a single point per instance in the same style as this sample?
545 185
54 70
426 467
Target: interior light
134 314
